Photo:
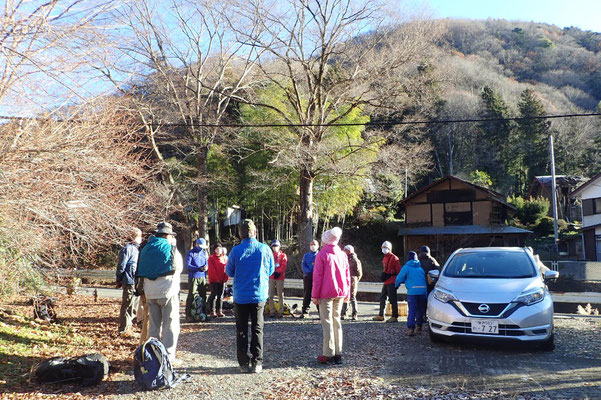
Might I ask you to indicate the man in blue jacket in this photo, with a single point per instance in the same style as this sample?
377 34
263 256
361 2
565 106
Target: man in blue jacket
126 273
250 264
197 265
414 278
308 265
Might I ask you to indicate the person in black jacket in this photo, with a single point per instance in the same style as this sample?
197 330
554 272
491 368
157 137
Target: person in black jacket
125 276
428 263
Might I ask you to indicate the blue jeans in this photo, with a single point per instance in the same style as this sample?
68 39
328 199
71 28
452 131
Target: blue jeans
417 309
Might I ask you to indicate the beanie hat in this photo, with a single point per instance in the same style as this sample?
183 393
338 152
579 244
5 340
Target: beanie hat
275 242
331 236
387 244
424 249
412 255
349 248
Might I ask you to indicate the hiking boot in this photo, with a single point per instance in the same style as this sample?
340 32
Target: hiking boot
338 359
342 317
220 314
410 332
354 317
213 315
244 368
378 318
392 319
325 360
302 316
418 329
256 368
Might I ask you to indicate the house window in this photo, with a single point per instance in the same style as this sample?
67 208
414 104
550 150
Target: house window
591 206
598 246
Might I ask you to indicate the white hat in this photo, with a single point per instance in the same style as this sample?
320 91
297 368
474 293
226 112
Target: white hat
349 248
387 244
331 236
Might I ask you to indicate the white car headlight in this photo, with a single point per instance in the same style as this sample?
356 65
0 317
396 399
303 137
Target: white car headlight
531 297
444 295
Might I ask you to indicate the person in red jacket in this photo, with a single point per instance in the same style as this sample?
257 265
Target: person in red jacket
392 267
276 280
217 280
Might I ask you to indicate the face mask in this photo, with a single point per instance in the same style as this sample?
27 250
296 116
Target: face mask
276 249
138 240
313 249
385 250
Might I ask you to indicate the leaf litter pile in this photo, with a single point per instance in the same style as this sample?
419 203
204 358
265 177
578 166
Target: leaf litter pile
84 326
355 385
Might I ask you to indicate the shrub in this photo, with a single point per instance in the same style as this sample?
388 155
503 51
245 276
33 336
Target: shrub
544 226
530 211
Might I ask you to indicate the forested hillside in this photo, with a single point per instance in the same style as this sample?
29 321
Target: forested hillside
497 68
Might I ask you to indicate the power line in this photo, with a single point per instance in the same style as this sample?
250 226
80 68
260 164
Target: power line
390 122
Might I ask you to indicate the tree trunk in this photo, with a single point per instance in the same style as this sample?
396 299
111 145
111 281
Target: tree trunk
305 218
203 220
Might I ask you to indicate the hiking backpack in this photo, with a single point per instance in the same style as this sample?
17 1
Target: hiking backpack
197 310
86 370
152 368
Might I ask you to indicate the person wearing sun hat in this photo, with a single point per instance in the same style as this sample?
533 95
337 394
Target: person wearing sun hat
331 287
197 265
160 264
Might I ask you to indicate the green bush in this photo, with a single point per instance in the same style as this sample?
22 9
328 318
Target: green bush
544 227
530 211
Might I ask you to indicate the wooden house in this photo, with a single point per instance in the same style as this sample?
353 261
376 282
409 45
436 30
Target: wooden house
452 213
589 194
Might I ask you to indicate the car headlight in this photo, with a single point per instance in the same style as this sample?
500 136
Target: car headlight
444 295
531 297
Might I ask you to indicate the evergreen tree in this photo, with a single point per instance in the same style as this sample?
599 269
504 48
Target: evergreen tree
533 139
495 155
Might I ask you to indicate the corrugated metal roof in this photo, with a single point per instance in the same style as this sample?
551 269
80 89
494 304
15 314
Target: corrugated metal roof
461 230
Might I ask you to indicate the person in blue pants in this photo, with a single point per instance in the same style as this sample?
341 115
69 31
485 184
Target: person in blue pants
414 278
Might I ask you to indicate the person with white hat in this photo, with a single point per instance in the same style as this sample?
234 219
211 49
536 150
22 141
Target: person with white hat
197 264
126 274
392 267
331 287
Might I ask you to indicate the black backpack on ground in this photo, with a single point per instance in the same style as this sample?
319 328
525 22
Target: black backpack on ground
86 370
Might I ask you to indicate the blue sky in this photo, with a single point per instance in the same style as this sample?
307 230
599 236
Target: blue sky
584 14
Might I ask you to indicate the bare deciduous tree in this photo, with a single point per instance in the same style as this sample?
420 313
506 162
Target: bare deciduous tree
330 59
185 69
71 188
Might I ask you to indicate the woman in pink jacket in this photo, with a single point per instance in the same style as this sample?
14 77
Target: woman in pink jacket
331 287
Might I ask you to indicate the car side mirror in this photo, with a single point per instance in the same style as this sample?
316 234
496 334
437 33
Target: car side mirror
551 276
434 274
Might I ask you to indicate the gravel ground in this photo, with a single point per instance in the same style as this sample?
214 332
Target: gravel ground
380 362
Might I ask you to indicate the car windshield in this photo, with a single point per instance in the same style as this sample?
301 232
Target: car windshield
490 264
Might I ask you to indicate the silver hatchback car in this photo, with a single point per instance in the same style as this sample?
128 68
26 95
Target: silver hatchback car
495 293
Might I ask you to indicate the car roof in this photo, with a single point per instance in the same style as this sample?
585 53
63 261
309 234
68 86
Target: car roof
491 249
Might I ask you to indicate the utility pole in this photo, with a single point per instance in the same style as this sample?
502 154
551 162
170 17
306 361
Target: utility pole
553 195
405 194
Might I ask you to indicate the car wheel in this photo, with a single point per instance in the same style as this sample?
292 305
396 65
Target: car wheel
434 338
549 344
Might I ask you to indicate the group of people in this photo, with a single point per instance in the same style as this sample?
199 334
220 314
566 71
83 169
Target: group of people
330 275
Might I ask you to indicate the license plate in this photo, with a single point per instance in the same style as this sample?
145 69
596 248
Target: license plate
485 326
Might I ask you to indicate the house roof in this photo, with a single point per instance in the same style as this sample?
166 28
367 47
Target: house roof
489 192
461 230
586 184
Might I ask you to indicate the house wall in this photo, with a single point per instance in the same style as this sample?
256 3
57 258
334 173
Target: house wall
482 210
592 191
437 214
418 213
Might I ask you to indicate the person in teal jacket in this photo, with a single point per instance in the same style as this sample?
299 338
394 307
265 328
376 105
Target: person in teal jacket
414 278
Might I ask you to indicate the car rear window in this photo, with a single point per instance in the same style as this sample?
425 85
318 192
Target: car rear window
490 264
